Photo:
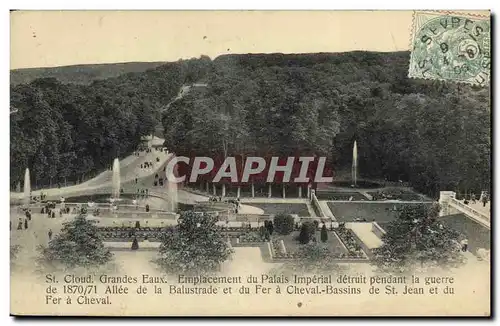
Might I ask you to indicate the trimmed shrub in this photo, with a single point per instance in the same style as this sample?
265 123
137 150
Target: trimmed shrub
283 223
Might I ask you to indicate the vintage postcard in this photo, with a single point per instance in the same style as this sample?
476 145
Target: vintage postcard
250 163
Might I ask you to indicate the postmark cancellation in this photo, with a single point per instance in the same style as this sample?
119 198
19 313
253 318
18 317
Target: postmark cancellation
451 46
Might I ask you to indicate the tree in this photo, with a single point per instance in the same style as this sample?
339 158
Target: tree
307 231
283 223
135 244
324 234
434 135
196 245
77 245
418 239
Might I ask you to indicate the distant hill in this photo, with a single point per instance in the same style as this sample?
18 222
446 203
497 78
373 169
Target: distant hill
80 74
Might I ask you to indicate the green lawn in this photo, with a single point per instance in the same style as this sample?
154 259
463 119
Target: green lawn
293 245
378 211
276 208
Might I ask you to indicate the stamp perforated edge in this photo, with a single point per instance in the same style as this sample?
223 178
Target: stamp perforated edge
412 37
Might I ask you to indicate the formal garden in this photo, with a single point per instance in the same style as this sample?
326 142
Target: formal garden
339 195
200 244
371 211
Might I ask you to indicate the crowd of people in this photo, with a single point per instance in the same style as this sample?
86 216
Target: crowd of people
484 198
236 205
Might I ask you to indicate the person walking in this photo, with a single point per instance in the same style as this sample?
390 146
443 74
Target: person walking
20 224
50 234
26 224
464 243
485 200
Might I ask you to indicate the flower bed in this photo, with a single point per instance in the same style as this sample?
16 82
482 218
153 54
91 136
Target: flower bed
395 194
251 237
354 249
126 233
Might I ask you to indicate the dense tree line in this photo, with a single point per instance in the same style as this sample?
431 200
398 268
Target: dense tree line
64 132
435 135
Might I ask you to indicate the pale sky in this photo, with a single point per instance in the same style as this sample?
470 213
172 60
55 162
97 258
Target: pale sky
57 38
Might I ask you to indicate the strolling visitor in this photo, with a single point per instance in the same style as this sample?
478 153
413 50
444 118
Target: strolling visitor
147 208
50 234
25 224
464 243
20 224
484 199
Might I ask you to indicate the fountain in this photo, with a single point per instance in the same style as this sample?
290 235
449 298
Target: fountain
354 171
27 188
115 183
172 197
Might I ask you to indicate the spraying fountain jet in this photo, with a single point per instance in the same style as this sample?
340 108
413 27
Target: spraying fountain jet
354 171
27 188
172 196
115 183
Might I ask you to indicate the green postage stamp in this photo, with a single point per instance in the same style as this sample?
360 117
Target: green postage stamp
451 46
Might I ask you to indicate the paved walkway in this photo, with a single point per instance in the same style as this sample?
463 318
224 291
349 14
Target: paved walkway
128 173
247 209
326 210
364 232
478 206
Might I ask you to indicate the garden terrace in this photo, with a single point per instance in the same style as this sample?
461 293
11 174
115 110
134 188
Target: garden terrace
395 194
293 245
334 195
370 211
